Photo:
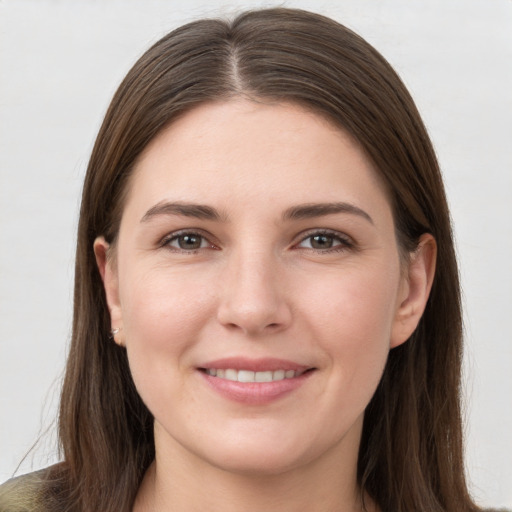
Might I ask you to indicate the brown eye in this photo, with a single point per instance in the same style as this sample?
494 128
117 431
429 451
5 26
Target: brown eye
321 241
188 242
325 242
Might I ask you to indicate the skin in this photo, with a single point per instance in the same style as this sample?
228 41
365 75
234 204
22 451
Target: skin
259 285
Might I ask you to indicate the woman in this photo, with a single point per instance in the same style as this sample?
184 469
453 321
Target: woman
267 306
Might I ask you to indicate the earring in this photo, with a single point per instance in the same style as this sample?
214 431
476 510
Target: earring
114 331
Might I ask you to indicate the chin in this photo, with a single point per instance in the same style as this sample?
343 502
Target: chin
258 464
258 456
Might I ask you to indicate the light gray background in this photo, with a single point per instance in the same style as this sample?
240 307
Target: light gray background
60 62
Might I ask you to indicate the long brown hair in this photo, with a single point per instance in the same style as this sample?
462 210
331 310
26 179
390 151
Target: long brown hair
411 450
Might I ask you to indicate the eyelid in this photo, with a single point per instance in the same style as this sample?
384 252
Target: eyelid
164 242
347 242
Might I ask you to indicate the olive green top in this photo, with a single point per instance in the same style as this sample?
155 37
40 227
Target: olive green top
24 494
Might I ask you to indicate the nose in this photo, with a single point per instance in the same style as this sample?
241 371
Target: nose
253 296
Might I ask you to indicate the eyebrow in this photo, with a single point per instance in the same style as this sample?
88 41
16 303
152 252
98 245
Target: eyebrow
198 211
310 210
205 212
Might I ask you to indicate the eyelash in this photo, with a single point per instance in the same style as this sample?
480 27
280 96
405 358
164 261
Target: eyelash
343 242
166 242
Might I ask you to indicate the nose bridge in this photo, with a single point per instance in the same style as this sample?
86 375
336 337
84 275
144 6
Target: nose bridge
253 298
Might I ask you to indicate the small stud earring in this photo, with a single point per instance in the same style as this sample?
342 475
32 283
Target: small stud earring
114 331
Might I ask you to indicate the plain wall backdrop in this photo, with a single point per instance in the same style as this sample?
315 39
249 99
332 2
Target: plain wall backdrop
60 63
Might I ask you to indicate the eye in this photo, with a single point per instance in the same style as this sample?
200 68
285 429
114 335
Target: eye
325 241
186 241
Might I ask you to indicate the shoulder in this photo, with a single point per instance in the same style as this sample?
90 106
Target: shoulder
25 493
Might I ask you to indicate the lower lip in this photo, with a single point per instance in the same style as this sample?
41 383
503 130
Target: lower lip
255 393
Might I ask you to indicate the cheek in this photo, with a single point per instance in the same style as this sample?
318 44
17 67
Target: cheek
162 305
351 318
357 303
162 316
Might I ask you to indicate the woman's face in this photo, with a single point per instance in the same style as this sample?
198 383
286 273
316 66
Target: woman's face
258 287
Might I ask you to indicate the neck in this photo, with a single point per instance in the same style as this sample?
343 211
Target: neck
326 484
232 493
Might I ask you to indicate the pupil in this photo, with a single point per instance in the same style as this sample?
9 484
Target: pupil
189 242
321 241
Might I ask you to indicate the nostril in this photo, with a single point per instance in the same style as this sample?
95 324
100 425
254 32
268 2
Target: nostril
253 314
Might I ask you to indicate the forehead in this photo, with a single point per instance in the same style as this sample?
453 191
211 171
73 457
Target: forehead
251 151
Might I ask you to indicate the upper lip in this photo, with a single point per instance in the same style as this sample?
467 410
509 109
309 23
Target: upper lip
255 365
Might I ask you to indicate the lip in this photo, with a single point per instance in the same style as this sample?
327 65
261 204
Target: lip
255 365
255 393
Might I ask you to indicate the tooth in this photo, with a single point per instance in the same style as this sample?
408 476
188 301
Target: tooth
231 374
263 376
245 376
250 376
278 375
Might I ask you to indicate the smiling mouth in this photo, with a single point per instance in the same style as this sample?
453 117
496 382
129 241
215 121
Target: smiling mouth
252 376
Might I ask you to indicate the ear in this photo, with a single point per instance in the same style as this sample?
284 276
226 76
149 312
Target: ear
108 271
415 289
